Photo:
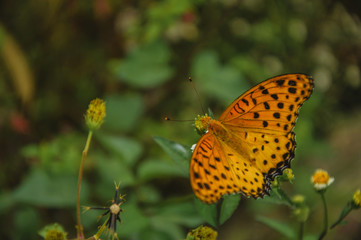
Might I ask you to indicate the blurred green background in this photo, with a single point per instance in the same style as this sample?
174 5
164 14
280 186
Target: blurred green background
137 55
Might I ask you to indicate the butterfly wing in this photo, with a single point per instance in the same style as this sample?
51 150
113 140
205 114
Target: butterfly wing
216 170
263 119
261 143
275 100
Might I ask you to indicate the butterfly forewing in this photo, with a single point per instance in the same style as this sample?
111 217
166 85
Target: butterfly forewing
270 105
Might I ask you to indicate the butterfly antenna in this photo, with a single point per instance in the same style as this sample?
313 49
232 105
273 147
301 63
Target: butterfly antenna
173 120
195 89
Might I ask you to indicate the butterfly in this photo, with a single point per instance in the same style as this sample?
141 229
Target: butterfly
252 141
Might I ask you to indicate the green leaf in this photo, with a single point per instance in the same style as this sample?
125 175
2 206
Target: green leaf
167 10
89 218
59 156
127 149
249 67
171 229
183 213
148 194
24 221
265 34
310 237
112 169
133 220
156 168
207 211
276 197
279 226
145 67
41 189
151 233
6 202
229 205
209 72
162 15
179 153
153 31
123 111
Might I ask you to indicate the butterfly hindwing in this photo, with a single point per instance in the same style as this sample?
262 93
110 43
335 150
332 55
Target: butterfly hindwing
216 170
270 153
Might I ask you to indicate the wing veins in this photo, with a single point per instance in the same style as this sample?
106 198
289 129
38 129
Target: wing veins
262 131
229 164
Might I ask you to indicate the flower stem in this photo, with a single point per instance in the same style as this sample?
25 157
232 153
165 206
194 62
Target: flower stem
325 228
300 234
101 230
282 195
346 210
80 177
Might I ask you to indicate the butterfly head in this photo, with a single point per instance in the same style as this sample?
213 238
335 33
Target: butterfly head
201 124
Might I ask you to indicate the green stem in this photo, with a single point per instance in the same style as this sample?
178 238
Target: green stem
80 177
325 227
282 195
300 234
101 230
347 209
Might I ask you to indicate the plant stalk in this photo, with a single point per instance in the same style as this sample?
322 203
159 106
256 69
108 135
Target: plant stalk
300 234
80 177
282 195
347 209
325 227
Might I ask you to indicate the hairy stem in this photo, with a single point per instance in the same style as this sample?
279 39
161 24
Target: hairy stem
325 227
300 233
80 177
347 209
281 194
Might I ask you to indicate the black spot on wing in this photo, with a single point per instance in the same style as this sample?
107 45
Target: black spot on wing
280 82
274 96
245 101
292 90
292 83
276 115
266 105
265 123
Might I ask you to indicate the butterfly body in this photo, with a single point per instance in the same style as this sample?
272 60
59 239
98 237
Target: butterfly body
252 141
227 137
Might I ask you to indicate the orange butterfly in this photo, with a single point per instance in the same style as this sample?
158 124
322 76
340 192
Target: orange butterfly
252 142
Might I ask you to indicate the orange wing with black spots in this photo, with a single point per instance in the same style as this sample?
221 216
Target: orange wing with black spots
217 170
271 105
252 142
